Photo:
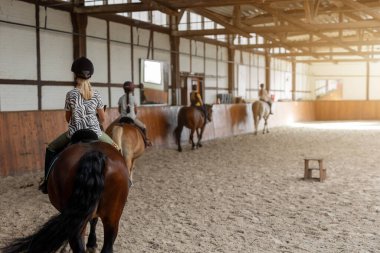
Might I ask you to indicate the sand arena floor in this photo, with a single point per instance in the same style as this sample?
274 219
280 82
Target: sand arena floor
239 194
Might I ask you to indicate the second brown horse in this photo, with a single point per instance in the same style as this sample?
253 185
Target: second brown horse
194 119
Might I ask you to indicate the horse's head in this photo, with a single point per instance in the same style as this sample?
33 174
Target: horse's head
209 112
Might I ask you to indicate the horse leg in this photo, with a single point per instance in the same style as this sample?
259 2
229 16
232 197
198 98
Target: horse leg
256 124
91 242
129 163
200 135
178 132
266 125
110 233
192 139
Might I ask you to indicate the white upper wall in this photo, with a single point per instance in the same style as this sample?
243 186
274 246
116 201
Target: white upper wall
120 33
17 43
17 11
351 75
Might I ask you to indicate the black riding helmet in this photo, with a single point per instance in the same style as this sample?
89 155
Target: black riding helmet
82 67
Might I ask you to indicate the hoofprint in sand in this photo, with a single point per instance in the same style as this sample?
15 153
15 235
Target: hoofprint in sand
239 194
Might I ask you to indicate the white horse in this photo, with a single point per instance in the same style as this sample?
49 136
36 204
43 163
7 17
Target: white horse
261 110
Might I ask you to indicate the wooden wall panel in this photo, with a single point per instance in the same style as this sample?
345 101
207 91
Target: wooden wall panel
347 110
24 135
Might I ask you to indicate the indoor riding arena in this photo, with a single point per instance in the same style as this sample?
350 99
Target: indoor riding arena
290 167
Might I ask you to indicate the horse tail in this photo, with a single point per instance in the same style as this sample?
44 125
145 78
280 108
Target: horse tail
117 133
88 186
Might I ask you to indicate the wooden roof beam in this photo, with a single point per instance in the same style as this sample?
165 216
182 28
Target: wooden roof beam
180 4
313 44
307 28
120 8
222 21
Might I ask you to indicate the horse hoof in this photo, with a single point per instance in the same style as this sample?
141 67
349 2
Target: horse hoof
91 250
180 150
199 145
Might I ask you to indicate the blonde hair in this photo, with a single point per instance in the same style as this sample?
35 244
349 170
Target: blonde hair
85 88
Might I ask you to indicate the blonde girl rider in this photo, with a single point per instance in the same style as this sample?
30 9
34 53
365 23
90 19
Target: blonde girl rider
82 105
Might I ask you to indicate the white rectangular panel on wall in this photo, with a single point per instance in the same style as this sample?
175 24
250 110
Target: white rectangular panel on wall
17 12
210 51
141 36
116 93
222 82
254 80
161 40
17 49
96 27
120 33
162 55
97 53
197 48
340 69
53 97
223 54
56 56
210 96
245 58
103 91
374 80
197 65
121 62
374 88
184 46
261 61
243 80
210 67
18 97
210 82
237 56
184 63
55 19
354 88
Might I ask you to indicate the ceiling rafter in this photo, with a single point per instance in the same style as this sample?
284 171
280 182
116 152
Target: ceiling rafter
313 28
222 21
306 27
120 8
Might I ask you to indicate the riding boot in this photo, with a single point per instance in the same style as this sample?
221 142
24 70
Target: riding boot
270 108
49 158
147 142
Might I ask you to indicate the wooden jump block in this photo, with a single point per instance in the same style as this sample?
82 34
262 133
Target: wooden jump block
309 170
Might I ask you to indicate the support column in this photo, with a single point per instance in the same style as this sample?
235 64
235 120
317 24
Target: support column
174 61
367 80
294 81
267 71
79 22
38 51
231 70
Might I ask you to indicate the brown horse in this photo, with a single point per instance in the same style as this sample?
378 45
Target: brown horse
88 181
130 139
261 110
195 120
